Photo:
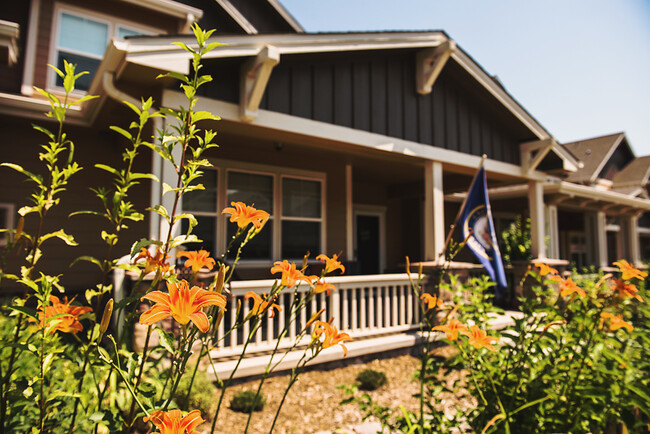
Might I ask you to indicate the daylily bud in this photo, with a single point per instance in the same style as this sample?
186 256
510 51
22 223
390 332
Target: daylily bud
219 318
221 275
19 228
106 318
314 317
304 261
408 267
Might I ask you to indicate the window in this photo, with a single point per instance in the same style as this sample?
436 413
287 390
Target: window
6 220
294 203
81 38
203 204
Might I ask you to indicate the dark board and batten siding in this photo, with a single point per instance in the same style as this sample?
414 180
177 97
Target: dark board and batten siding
375 92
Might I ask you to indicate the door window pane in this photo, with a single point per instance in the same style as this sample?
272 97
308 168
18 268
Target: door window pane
257 248
205 230
301 198
252 189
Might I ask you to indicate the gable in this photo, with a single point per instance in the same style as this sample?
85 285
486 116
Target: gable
375 91
620 158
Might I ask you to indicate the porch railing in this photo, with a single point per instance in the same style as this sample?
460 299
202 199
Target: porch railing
362 306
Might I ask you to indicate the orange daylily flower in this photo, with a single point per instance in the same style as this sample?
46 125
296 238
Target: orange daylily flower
173 422
626 290
568 287
322 286
331 264
332 335
182 303
629 271
260 305
152 263
243 215
68 323
290 275
479 339
616 322
545 269
197 260
431 301
451 329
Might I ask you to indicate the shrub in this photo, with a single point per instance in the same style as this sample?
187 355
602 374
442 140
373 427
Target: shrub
203 395
370 379
245 401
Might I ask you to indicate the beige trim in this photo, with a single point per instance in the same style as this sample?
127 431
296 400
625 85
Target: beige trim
336 133
617 199
499 93
286 15
537 224
434 215
605 159
254 77
238 17
9 33
349 217
429 64
30 49
169 7
543 147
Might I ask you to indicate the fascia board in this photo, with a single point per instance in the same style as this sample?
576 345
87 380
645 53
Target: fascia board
605 159
499 93
284 13
168 7
322 130
569 189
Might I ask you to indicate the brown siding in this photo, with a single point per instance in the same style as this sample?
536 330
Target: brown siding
375 91
91 147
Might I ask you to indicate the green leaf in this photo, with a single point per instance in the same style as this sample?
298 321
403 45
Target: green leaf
176 76
159 209
167 340
135 248
36 178
203 115
84 99
60 234
88 259
25 310
122 131
108 169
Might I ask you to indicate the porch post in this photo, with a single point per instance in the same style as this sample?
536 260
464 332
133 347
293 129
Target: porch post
552 232
632 251
601 239
154 194
349 217
536 207
434 211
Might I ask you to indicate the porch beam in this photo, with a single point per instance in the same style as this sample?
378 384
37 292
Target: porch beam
633 251
601 238
434 212
349 216
429 64
255 75
552 232
536 206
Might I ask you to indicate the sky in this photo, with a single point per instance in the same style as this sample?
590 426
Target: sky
580 67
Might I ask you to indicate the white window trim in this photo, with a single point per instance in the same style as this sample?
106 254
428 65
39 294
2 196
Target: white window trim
375 211
277 173
112 22
9 224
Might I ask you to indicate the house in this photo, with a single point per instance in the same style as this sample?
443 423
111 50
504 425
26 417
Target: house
354 142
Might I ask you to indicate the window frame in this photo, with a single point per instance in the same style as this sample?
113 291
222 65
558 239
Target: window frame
275 219
113 23
10 222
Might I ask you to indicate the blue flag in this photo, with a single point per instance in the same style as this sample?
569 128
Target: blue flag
476 219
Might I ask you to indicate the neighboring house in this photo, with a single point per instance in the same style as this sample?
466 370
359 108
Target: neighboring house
354 142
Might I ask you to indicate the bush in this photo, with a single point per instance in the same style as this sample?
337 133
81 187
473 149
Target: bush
203 395
370 379
244 401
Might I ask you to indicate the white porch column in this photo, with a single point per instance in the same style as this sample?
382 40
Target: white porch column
155 192
168 176
631 234
349 216
601 239
434 211
536 207
552 232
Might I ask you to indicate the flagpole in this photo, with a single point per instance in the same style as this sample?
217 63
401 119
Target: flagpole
462 207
